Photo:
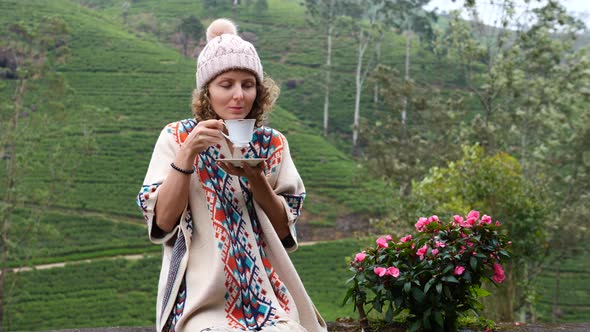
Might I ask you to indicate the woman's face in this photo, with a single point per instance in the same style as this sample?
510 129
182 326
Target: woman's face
232 94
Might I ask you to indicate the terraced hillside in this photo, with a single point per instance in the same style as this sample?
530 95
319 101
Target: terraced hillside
124 87
127 88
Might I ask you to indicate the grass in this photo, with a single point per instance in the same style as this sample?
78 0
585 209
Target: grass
124 87
123 293
70 237
573 297
140 85
324 270
102 293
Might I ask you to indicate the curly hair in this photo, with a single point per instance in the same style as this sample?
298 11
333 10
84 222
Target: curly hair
267 93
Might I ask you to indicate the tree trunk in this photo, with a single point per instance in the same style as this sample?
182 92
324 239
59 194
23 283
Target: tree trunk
376 88
328 69
406 78
362 47
363 319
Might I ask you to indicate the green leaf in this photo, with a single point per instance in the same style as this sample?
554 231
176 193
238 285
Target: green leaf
473 263
447 292
447 269
480 292
407 287
351 278
438 318
377 304
450 279
426 320
347 296
414 326
429 284
389 314
439 288
418 294
467 276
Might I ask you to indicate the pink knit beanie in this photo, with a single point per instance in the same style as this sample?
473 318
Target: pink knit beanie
225 50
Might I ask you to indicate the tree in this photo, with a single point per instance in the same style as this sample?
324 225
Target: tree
325 15
125 7
36 49
365 29
402 154
527 80
495 185
369 22
189 31
417 21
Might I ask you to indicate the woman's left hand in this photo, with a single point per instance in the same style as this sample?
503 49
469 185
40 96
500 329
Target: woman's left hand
263 194
252 173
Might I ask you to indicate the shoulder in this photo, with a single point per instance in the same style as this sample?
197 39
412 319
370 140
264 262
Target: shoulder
179 130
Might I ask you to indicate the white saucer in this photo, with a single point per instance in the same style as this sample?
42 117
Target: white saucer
238 162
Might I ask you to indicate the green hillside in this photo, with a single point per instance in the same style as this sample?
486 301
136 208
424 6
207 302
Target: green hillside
124 86
123 292
127 88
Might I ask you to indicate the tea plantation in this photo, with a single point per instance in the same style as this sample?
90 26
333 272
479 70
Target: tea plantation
123 87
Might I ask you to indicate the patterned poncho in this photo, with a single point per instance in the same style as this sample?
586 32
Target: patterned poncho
223 264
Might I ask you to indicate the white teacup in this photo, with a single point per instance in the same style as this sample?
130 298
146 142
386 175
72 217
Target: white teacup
240 131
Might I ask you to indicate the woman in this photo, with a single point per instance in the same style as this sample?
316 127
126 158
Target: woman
226 230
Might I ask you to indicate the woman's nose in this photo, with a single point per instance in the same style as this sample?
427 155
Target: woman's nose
238 93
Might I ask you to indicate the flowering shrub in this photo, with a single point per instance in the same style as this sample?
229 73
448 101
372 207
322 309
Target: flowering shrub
433 277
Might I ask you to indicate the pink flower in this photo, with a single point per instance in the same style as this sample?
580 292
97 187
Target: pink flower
432 218
406 238
440 244
360 256
422 251
458 219
498 273
380 271
459 270
434 251
473 214
463 235
393 271
421 224
469 222
486 219
498 224
388 237
382 242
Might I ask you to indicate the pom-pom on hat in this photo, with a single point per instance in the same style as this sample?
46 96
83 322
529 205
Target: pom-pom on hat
225 50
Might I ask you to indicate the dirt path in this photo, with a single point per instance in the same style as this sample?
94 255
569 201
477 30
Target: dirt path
62 264
129 257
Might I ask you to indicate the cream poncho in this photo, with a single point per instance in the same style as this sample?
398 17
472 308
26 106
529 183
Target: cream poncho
223 265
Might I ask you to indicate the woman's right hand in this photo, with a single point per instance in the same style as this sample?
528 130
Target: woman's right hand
206 133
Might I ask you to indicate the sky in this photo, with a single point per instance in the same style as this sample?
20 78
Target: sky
578 8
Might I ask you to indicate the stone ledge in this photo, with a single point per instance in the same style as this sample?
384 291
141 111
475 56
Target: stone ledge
352 327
